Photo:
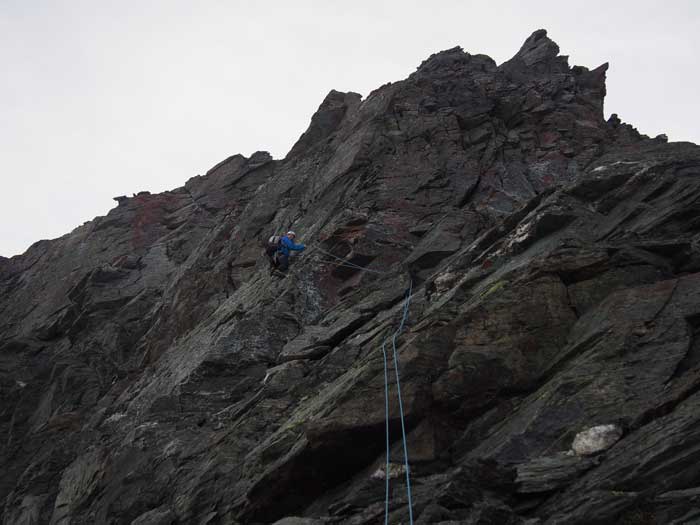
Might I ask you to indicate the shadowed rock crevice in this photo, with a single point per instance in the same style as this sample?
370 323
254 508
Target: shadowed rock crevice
328 460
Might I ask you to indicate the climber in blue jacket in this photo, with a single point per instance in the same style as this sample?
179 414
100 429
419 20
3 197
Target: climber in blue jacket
285 246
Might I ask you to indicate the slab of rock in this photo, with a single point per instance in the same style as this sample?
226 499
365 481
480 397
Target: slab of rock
551 473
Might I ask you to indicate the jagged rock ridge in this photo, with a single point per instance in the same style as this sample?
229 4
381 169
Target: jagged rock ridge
153 372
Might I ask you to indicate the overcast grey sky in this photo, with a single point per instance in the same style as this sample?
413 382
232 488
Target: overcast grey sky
103 98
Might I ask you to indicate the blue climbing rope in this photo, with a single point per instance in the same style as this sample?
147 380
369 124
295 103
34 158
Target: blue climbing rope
349 264
406 305
388 448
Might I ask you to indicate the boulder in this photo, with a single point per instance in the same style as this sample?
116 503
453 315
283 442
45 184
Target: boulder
596 439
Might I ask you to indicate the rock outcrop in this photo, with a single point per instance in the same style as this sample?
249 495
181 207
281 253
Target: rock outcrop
153 372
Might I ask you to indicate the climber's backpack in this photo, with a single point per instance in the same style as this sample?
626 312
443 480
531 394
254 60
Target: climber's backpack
273 245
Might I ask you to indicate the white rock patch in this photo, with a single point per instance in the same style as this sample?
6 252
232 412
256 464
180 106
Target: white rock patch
596 439
395 470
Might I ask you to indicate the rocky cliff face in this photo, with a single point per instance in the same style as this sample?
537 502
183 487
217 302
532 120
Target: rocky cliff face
153 372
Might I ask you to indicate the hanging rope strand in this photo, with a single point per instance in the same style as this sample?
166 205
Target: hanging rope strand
406 306
388 447
398 391
350 264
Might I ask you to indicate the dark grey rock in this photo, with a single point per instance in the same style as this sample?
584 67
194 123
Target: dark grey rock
152 371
